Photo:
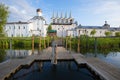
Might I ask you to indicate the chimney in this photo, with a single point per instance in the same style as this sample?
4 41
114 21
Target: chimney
39 12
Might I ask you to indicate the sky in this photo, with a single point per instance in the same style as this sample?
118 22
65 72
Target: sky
85 12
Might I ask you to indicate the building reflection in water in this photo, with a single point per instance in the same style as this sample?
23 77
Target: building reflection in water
18 53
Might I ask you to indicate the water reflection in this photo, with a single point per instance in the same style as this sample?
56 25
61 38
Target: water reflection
111 57
49 71
2 55
18 53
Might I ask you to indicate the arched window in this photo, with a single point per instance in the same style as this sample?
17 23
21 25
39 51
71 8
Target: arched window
53 20
57 20
71 21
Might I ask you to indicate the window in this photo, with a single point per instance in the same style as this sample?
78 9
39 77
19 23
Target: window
19 27
57 20
58 28
24 27
9 27
71 21
14 27
53 20
37 23
37 28
83 31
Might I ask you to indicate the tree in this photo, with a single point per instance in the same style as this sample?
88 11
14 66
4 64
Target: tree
117 34
108 33
3 17
93 32
49 27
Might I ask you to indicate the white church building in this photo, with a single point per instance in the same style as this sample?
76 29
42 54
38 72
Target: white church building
36 26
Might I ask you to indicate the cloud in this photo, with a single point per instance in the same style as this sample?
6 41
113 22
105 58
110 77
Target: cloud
110 10
19 10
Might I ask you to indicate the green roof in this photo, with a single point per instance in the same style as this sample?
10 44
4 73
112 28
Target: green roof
52 31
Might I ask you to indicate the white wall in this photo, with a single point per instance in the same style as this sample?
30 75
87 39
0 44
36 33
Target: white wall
99 32
62 29
16 30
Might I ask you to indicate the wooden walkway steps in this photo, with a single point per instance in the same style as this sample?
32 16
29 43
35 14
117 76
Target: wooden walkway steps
105 70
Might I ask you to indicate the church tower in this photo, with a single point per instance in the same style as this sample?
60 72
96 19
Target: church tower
106 25
62 20
39 12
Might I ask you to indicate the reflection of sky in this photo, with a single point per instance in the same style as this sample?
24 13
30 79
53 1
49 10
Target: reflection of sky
112 57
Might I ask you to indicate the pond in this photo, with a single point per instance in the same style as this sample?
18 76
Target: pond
63 70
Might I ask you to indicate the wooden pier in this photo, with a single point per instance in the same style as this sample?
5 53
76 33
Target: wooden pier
104 70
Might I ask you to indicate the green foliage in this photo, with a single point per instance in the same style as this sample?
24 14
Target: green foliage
108 33
2 55
88 43
93 32
117 34
49 27
21 42
3 17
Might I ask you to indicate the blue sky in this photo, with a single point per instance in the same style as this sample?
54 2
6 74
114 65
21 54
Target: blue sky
86 12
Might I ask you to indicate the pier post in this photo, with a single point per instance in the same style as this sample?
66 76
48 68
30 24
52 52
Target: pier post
40 43
3 44
10 46
40 64
6 44
70 43
44 43
78 50
32 43
66 43
54 53
55 61
48 41
95 46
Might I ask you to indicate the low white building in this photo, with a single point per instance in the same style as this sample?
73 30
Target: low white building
36 26
86 30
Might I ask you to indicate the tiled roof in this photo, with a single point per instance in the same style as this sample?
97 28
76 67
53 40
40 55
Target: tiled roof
52 31
98 27
37 17
17 22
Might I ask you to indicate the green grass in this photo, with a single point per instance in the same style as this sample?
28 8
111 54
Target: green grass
23 42
89 43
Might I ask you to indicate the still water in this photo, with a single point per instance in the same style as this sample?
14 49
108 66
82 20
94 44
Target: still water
111 57
63 70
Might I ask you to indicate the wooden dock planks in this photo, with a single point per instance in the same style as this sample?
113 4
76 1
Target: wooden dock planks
108 71
103 69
